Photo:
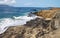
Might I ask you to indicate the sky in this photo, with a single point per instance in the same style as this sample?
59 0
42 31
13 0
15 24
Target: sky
32 3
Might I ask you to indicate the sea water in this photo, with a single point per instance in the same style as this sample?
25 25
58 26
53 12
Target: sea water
14 17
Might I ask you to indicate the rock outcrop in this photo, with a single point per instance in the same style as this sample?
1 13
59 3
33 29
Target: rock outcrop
37 28
48 14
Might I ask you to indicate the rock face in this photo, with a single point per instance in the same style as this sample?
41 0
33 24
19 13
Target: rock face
48 13
37 28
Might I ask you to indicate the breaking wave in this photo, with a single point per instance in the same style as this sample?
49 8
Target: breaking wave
15 21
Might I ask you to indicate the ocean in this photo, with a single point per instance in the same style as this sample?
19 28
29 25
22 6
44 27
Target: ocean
14 16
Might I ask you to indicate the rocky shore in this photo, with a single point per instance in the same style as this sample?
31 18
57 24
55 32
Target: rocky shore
37 28
32 29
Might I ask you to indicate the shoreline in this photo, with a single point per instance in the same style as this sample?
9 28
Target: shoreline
37 28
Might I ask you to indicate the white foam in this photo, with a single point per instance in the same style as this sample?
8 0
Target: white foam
7 22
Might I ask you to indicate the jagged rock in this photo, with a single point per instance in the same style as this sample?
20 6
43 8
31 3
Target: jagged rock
48 14
32 29
37 28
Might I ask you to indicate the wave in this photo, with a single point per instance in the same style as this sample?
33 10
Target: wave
5 23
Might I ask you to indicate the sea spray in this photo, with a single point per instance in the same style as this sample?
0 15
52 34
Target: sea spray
7 22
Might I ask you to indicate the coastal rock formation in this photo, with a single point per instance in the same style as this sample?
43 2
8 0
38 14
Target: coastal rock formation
48 14
37 28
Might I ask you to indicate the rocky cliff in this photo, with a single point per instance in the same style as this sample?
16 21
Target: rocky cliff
48 13
33 29
37 28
